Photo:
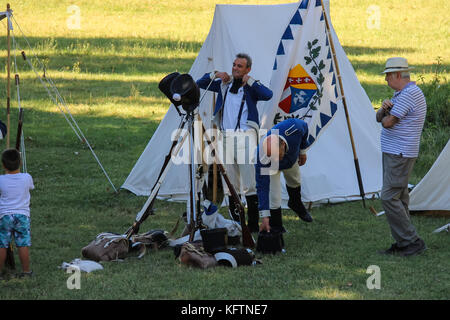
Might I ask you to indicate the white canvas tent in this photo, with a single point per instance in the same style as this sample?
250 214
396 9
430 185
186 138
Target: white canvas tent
432 193
329 174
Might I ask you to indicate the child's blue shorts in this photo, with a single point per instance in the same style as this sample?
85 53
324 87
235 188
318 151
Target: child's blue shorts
17 225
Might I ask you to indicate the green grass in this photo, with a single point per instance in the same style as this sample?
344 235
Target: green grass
108 73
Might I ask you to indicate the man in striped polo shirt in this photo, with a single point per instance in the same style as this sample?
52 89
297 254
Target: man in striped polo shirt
402 118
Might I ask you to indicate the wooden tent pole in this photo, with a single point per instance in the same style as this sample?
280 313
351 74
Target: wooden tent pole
9 262
8 87
344 102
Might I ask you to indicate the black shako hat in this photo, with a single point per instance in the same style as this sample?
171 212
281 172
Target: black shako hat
214 240
270 242
181 89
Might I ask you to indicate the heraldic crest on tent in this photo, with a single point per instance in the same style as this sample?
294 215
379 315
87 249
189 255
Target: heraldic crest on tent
304 55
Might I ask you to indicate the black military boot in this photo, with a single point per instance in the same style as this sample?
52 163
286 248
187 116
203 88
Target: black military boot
276 223
252 213
296 204
276 220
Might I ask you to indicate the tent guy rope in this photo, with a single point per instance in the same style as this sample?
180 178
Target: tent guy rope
49 86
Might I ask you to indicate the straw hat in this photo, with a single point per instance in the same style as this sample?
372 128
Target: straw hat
396 64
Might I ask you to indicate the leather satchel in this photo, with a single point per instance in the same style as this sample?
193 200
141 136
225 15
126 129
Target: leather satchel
106 247
193 254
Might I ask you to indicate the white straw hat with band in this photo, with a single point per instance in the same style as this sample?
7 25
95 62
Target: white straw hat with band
396 64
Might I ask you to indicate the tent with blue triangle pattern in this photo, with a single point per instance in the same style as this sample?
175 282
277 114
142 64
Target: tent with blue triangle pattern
329 174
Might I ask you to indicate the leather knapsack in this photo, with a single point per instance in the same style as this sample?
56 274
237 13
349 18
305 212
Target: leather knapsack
106 247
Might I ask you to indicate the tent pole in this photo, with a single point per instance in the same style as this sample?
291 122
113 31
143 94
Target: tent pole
8 67
9 262
355 157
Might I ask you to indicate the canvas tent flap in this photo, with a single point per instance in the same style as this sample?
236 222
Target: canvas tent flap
256 29
432 193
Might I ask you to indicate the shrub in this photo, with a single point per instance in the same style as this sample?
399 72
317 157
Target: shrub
436 130
438 98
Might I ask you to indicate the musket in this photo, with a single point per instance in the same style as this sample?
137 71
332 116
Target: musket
147 209
247 238
148 206
19 130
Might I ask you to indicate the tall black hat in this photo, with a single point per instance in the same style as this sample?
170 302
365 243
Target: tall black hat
270 242
181 89
214 240
164 87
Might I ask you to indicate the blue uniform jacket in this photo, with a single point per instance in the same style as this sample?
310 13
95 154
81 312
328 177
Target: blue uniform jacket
295 133
254 91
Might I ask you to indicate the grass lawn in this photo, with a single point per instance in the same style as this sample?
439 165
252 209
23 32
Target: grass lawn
108 71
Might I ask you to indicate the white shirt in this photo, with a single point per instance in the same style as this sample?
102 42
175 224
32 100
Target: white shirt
231 110
15 193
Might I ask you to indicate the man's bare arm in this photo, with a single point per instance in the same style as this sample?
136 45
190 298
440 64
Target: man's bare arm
389 121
